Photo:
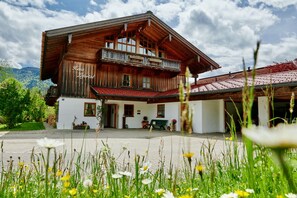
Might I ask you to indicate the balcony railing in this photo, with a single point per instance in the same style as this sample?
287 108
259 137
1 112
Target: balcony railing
52 92
127 58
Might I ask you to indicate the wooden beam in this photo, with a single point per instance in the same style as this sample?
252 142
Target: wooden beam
168 37
194 60
142 27
122 30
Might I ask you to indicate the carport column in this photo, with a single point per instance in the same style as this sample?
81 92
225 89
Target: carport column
263 111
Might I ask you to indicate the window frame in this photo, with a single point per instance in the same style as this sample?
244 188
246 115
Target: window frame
93 109
129 80
146 82
129 112
161 111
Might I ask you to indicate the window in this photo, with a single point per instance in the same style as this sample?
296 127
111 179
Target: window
90 109
128 110
146 82
161 111
127 42
126 80
147 47
109 42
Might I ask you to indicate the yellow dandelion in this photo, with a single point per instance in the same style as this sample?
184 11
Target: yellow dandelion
21 164
241 193
229 138
66 177
186 196
189 190
188 155
160 191
199 168
95 191
73 191
66 184
279 196
59 173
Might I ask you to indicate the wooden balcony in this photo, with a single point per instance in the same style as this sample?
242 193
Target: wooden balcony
138 60
51 96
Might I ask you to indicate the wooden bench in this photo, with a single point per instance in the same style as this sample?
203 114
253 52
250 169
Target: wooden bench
159 124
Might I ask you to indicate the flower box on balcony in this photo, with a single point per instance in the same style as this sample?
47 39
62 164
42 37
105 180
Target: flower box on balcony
135 57
155 60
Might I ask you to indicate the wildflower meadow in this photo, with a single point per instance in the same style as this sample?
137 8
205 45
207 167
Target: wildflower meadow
262 164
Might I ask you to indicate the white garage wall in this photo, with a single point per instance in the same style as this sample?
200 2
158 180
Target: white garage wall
197 116
208 116
263 111
213 116
70 107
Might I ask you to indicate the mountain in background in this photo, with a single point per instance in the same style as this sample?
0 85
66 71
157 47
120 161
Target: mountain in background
29 76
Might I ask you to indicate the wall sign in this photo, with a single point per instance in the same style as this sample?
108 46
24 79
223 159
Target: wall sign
80 73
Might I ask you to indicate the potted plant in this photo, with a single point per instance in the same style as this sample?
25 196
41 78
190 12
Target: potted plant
145 122
173 125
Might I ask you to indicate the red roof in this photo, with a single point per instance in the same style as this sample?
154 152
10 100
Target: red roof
271 75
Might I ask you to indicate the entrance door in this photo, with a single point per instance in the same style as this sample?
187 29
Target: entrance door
110 116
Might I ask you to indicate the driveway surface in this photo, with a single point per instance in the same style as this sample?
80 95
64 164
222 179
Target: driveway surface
154 145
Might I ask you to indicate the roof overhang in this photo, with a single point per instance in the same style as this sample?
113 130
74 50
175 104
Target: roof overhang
55 41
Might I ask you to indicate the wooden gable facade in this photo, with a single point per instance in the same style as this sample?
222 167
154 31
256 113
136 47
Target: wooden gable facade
139 53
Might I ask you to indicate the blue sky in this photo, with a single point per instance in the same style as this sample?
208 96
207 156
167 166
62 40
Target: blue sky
226 30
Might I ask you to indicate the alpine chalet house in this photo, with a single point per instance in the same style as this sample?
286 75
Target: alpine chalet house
127 65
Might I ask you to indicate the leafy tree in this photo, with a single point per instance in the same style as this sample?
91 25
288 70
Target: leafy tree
37 106
14 101
5 70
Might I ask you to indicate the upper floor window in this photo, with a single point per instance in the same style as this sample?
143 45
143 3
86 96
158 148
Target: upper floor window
147 47
90 109
127 42
126 80
128 110
146 82
161 111
109 42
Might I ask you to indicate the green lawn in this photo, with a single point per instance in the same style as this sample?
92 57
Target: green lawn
26 126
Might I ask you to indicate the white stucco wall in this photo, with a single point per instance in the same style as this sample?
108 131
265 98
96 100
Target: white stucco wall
263 111
208 116
149 110
70 107
132 122
172 111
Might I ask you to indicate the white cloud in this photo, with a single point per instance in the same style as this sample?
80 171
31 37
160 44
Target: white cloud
93 3
20 41
33 3
224 31
275 3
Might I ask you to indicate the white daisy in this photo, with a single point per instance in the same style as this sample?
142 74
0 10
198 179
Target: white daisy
49 143
126 173
291 195
87 183
281 136
117 176
168 194
147 181
230 195
146 166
